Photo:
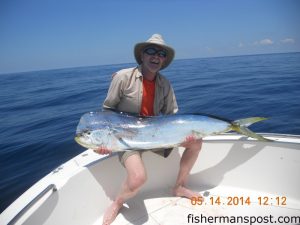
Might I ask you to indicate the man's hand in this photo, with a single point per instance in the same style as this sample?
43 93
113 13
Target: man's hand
102 150
191 139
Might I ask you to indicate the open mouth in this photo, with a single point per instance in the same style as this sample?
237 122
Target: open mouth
155 62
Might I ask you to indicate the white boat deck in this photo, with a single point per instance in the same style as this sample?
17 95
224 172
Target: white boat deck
229 170
157 209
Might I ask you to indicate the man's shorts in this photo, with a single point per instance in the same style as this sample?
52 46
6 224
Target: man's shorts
162 152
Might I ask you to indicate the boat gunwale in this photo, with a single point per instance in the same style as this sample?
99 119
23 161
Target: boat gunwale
53 182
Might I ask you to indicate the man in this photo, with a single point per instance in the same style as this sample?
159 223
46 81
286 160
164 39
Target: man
144 91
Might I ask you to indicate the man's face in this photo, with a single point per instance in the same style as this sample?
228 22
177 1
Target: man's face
153 58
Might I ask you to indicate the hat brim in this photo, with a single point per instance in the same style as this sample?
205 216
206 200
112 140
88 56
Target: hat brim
139 47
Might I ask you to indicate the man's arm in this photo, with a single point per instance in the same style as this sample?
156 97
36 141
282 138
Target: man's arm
170 106
114 93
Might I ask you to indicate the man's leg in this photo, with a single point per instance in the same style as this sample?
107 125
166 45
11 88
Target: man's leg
136 177
188 159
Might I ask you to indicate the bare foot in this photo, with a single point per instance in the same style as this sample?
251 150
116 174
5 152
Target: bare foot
111 213
181 191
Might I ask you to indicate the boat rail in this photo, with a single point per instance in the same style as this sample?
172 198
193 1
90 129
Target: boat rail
50 187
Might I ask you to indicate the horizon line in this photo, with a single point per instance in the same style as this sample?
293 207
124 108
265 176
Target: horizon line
115 64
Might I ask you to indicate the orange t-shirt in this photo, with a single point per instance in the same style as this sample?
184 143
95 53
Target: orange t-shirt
148 98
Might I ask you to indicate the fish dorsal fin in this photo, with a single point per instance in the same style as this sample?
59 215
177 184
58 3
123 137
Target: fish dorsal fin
213 116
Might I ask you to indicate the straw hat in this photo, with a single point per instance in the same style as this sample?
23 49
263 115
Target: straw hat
156 39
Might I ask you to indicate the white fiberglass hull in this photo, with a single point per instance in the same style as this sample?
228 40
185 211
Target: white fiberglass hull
237 176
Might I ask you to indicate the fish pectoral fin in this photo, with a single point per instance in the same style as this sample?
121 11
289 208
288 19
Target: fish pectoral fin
121 140
124 133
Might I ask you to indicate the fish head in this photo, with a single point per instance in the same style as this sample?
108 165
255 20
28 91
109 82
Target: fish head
95 139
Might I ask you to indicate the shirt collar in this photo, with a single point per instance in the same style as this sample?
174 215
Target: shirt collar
138 74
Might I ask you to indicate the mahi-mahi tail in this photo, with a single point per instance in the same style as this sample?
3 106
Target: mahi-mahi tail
240 126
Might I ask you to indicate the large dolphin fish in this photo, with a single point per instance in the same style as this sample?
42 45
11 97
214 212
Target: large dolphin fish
123 132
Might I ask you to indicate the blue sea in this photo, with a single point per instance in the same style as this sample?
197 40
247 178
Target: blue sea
39 111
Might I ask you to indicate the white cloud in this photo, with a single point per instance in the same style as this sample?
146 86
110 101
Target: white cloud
241 44
210 50
266 41
288 41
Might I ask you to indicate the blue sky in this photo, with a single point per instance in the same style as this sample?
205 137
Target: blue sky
50 34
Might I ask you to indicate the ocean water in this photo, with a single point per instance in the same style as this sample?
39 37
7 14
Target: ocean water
39 111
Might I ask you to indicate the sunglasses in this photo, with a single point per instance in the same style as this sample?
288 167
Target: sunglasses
153 51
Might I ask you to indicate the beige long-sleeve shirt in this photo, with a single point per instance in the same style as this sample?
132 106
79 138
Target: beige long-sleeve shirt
126 91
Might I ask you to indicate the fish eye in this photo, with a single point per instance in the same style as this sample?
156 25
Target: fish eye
88 132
